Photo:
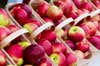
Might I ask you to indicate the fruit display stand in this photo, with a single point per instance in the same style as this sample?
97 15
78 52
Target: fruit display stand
76 21
30 34
45 28
8 37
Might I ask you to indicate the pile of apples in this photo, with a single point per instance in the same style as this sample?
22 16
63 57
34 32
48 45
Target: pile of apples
46 42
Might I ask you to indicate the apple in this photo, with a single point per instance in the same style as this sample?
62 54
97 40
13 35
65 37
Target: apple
58 47
54 12
30 27
71 14
95 40
48 35
4 32
46 45
4 19
58 58
83 45
31 20
24 44
21 15
66 6
87 6
60 33
22 6
71 59
12 28
76 34
42 8
78 3
33 53
16 53
97 3
2 59
47 19
44 62
71 44
79 54
89 28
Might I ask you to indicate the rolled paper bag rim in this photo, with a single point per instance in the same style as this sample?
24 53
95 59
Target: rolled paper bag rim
64 23
12 36
78 19
41 29
94 13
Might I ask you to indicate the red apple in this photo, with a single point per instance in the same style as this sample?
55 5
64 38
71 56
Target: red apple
22 6
12 28
30 27
42 8
79 54
89 28
76 34
54 13
4 32
71 14
33 53
95 40
46 45
4 19
44 62
47 19
21 15
2 59
83 45
71 44
71 60
58 47
48 35
78 3
31 20
58 58
87 6
16 52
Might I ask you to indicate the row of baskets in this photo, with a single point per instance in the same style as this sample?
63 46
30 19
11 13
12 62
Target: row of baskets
20 35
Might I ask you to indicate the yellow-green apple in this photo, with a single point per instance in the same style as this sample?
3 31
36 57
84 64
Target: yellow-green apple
12 28
42 8
58 58
71 44
30 26
33 53
2 59
58 47
46 45
89 28
76 33
4 19
16 53
4 32
79 54
48 35
71 59
83 45
54 12
24 44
